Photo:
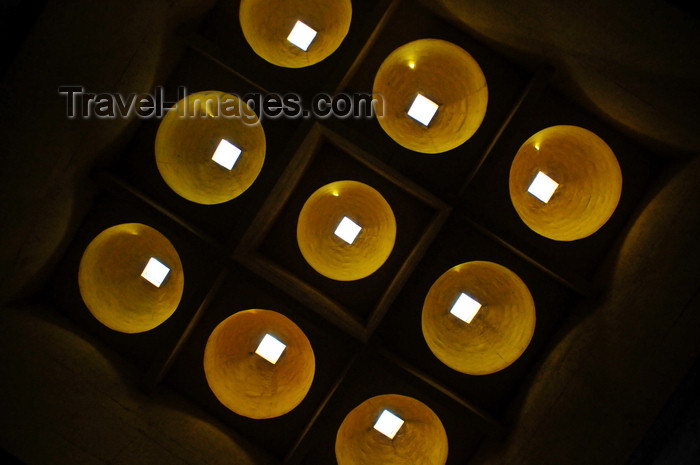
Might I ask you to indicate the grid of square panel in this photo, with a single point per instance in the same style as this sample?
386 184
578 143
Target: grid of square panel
450 208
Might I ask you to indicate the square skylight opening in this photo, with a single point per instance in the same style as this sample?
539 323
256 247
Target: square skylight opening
388 424
348 230
423 109
302 35
543 187
270 348
155 272
226 154
465 308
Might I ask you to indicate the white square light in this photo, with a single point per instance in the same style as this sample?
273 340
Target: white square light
155 272
423 109
543 187
465 308
302 35
226 154
270 348
347 230
388 424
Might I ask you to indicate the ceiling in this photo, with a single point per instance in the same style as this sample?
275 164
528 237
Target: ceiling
635 64
450 208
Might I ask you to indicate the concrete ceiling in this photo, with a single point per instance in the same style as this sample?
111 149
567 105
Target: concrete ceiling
634 63
614 361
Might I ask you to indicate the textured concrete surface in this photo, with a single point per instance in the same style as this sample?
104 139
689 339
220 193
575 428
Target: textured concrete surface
636 63
66 400
611 372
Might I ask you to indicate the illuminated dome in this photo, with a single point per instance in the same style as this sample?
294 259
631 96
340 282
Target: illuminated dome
363 439
346 230
259 364
295 33
478 318
432 95
565 183
210 148
131 278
